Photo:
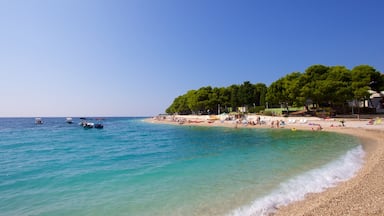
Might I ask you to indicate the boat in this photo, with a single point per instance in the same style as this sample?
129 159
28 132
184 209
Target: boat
88 125
85 124
38 121
69 120
99 124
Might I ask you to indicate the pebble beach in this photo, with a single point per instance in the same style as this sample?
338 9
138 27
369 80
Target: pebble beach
361 195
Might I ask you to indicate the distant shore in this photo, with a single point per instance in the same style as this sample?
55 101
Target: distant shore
361 195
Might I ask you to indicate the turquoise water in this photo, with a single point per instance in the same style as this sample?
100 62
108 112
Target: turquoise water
136 168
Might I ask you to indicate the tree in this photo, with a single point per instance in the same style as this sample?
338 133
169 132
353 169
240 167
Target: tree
179 106
234 99
276 92
365 78
260 93
246 94
313 86
224 99
293 87
323 85
338 85
285 91
203 99
192 101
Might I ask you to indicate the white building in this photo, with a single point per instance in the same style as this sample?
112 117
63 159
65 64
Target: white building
376 101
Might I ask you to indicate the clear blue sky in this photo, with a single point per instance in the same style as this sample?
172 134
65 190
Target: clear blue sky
133 57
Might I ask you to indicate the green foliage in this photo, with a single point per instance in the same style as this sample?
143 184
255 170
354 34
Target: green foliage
314 83
256 109
329 86
267 113
365 77
285 91
208 100
179 105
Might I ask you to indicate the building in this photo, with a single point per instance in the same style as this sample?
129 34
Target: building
376 100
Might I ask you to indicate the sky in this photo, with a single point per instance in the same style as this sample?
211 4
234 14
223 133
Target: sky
134 57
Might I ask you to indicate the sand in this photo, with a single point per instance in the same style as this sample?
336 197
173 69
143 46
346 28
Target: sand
361 195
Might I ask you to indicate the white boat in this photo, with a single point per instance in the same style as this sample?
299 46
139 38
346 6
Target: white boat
88 125
85 124
38 121
69 120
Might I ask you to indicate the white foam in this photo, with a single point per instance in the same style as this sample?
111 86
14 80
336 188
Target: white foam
313 181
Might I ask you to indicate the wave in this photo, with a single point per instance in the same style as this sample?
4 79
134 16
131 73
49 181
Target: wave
313 181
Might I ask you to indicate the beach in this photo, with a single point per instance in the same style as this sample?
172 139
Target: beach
361 195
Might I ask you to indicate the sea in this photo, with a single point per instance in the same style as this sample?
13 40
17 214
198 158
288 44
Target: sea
133 167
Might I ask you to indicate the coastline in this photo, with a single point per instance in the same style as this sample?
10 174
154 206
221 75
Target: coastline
361 195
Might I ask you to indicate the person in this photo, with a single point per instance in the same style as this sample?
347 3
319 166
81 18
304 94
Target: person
319 127
342 123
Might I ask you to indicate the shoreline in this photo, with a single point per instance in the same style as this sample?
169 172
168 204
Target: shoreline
363 194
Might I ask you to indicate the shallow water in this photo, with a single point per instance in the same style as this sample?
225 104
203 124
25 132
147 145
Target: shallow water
136 168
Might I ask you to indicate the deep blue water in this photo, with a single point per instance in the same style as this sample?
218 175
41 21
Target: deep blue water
136 168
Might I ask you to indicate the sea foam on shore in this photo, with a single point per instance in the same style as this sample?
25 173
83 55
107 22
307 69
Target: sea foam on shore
313 181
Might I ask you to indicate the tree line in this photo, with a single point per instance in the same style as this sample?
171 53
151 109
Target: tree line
318 86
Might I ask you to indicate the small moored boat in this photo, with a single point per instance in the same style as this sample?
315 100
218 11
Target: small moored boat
38 121
85 124
69 120
88 125
99 124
